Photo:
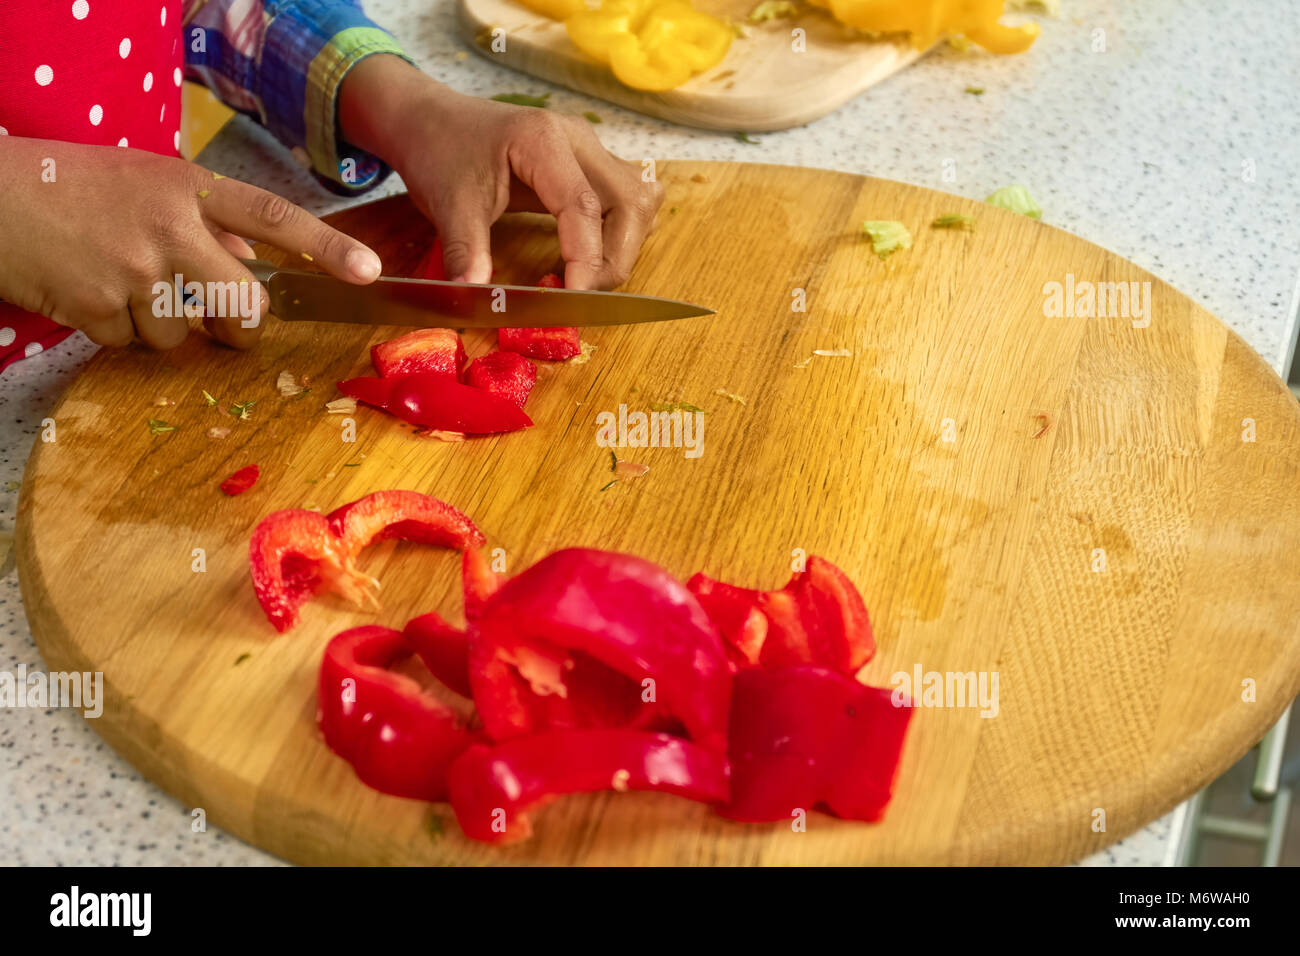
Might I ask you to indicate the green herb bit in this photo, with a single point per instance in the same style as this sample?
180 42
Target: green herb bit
953 221
242 410
746 139
241 658
208 398
610 485
591 117
523 99
157 426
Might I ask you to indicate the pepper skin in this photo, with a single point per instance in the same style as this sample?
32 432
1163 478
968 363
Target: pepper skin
241 481
505 374
817 618
653 45
438 402
492 788
292 555
552 344
592 639
399 739
925 21
406 515
803 737
435 351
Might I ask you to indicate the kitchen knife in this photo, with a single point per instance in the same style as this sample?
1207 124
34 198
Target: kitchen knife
298 296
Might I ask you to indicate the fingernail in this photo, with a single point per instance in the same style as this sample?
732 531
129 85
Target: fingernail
364 264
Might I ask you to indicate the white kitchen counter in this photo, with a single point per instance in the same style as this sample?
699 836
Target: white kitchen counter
1141 149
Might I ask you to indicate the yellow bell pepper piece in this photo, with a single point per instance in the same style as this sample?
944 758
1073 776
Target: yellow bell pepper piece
924 21
653 45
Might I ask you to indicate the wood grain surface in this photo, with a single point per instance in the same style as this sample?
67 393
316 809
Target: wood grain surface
762 84
966 464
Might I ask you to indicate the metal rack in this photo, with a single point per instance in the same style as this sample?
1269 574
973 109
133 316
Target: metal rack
1265 788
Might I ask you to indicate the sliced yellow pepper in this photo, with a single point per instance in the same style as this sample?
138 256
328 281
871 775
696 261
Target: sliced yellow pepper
651 45
924 21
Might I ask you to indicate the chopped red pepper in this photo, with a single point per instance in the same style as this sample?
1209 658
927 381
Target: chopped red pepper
399 739
492 788
435 401
817 618
292 555
592 639
803 737
443 648
505 374
295 553
433 351
241 480
553 344
406 515
735 612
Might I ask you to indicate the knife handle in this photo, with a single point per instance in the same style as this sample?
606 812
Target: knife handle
262 270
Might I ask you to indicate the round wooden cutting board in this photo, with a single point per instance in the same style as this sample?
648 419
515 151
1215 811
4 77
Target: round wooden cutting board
1101 512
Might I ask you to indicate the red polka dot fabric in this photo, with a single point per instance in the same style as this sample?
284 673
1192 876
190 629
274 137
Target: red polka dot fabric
98 72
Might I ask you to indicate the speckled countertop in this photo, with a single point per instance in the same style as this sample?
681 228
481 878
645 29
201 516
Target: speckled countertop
1145 148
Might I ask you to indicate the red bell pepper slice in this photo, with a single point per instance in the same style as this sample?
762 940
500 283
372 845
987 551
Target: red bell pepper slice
432 351
291 556
492 788
803 737
435 401
553 344
443 648
735 612
241 480
399 739
592 639
406 515
505 374
817 618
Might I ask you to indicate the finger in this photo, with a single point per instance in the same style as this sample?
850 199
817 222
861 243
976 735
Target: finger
552 171
114 330
248 211
465 225
234 245
234 302
154 330
629 220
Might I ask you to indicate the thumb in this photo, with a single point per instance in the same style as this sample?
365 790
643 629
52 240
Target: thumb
466 232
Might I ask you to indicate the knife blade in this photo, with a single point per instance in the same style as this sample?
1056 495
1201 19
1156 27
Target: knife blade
298 296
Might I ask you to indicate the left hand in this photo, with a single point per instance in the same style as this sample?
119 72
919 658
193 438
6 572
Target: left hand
467 160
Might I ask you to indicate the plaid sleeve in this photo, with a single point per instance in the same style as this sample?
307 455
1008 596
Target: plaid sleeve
282 62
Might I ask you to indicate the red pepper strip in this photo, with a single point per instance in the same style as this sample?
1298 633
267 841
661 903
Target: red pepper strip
478 581
291 555
241 480
436 351
587 639
443 648
435 401
552 343
735 612
398 739
505 374
806 736
817 618
492 788
406 515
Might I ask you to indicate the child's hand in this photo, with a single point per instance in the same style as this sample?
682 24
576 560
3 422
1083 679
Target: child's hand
86 232
467 160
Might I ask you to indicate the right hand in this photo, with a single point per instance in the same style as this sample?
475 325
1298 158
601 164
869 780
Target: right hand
86 248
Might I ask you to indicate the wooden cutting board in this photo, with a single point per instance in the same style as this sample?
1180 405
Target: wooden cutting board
763 83
969 465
